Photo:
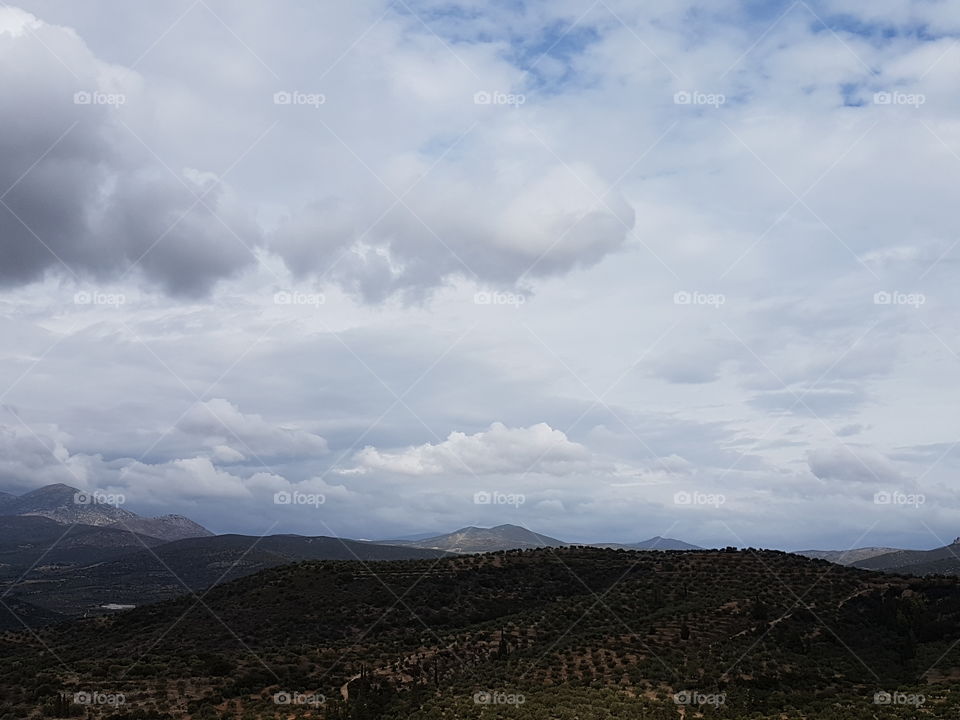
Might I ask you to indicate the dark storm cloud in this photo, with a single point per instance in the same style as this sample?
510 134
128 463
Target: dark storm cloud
80 196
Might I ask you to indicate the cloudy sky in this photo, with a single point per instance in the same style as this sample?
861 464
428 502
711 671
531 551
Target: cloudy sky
604 269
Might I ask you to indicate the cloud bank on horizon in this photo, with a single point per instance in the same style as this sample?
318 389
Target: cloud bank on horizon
603 270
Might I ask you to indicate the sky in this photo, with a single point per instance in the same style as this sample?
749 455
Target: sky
606 270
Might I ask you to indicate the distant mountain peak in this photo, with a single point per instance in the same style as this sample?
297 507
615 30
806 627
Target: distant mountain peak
54 490
70 506
472 539
657 542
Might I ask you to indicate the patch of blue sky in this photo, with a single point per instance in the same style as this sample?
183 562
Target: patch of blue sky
853 95
823 19
876 32
561 43
500 21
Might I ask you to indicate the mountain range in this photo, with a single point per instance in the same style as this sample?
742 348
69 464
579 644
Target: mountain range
939 561
513 537
846 557
64 554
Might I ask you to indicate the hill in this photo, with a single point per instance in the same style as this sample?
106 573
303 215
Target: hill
846 557
166 527
43 545
479 540
654 543
573 632
940 561
66 505
69 506
172 569
513 537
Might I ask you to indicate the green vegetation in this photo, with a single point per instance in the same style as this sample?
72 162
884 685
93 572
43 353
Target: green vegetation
570 633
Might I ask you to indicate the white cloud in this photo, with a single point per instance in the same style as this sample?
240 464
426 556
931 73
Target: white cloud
500 449
798 199
235 436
